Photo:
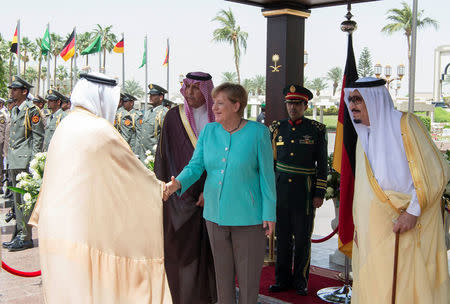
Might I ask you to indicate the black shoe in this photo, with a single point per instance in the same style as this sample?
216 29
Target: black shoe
278 287
7 244
9 216
302 291
19 245
8 194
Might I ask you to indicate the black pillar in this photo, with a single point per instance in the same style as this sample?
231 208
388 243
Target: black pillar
285 38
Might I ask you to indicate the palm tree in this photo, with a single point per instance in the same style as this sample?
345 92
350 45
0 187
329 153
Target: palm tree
402 20
230 32
249 85
31 75
43 78
61 74
108 40
229 77
26 46
318 84
335 75
134 88
259 81
56 45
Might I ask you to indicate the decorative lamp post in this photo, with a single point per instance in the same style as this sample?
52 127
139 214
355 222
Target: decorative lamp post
180 79
377 70
401 71
388 71
305 58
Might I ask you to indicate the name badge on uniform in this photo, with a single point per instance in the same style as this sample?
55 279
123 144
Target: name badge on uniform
307 140
280 141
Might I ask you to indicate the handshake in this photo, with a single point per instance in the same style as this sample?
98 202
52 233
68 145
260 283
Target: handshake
173 186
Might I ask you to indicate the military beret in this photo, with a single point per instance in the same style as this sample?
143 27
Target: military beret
156 89
19 83
55 95
295 93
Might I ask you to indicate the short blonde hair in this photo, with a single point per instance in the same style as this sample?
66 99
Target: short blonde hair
234 93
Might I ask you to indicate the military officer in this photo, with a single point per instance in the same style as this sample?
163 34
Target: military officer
152 121
129 121
26 139
262 116
300 152
57 114
66 104
4 136
119 111
45 112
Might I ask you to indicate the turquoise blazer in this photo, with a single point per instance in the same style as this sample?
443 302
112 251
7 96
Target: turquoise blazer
240 183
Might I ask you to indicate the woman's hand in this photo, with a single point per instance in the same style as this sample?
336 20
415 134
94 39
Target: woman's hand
170 188
269 226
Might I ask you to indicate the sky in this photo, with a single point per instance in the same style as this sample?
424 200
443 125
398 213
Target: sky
189 27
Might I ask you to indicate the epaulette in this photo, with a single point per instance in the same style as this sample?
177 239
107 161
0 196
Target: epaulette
274 125
318 125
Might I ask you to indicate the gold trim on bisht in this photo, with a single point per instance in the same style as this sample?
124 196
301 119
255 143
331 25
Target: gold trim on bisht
187 126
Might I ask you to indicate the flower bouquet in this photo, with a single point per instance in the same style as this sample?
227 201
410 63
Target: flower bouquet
333 182
149 161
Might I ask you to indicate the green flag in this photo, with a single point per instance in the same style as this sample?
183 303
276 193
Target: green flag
45 44
144 58
94 47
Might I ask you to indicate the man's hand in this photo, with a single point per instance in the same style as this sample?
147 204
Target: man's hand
201 201
269 226
170 188
317 202
405 222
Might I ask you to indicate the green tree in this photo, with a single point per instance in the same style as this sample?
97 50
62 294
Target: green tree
231 33
31 75
134 88
335 75
4 54
229 77
259 82
365 66
61 74
26 47
109 39
402 21
56 44
249 85
318 84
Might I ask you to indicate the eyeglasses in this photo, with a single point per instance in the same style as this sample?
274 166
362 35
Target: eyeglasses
357 100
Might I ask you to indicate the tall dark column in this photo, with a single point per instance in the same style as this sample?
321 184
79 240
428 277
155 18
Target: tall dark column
285 38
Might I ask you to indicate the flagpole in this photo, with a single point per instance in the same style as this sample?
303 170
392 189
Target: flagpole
412 59
146 75
18 47
123 62
74 58
168 63
48 58
100 61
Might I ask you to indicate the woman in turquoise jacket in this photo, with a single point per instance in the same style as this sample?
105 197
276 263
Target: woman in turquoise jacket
239 193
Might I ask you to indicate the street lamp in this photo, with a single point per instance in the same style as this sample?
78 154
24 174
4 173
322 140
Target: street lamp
378 68
180 79
305 58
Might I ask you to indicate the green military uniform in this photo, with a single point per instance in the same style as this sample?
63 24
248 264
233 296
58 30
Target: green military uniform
128 123
26 139
300 153
151 126
53 119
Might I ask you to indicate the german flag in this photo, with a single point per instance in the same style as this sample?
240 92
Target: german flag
344 158
14 43
118 48
69 47
166 59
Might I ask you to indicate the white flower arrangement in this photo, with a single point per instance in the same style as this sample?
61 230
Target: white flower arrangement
149 161
28 184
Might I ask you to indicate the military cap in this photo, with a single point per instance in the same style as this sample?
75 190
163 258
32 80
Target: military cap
39 99
123 97
55 95
156 89
19 83
294 94
66 99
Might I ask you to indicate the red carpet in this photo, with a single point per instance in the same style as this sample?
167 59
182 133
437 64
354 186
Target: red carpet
316 282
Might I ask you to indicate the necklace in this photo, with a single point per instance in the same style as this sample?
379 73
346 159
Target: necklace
240 121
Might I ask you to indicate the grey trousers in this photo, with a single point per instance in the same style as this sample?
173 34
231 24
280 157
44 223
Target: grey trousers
23 231
237 250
